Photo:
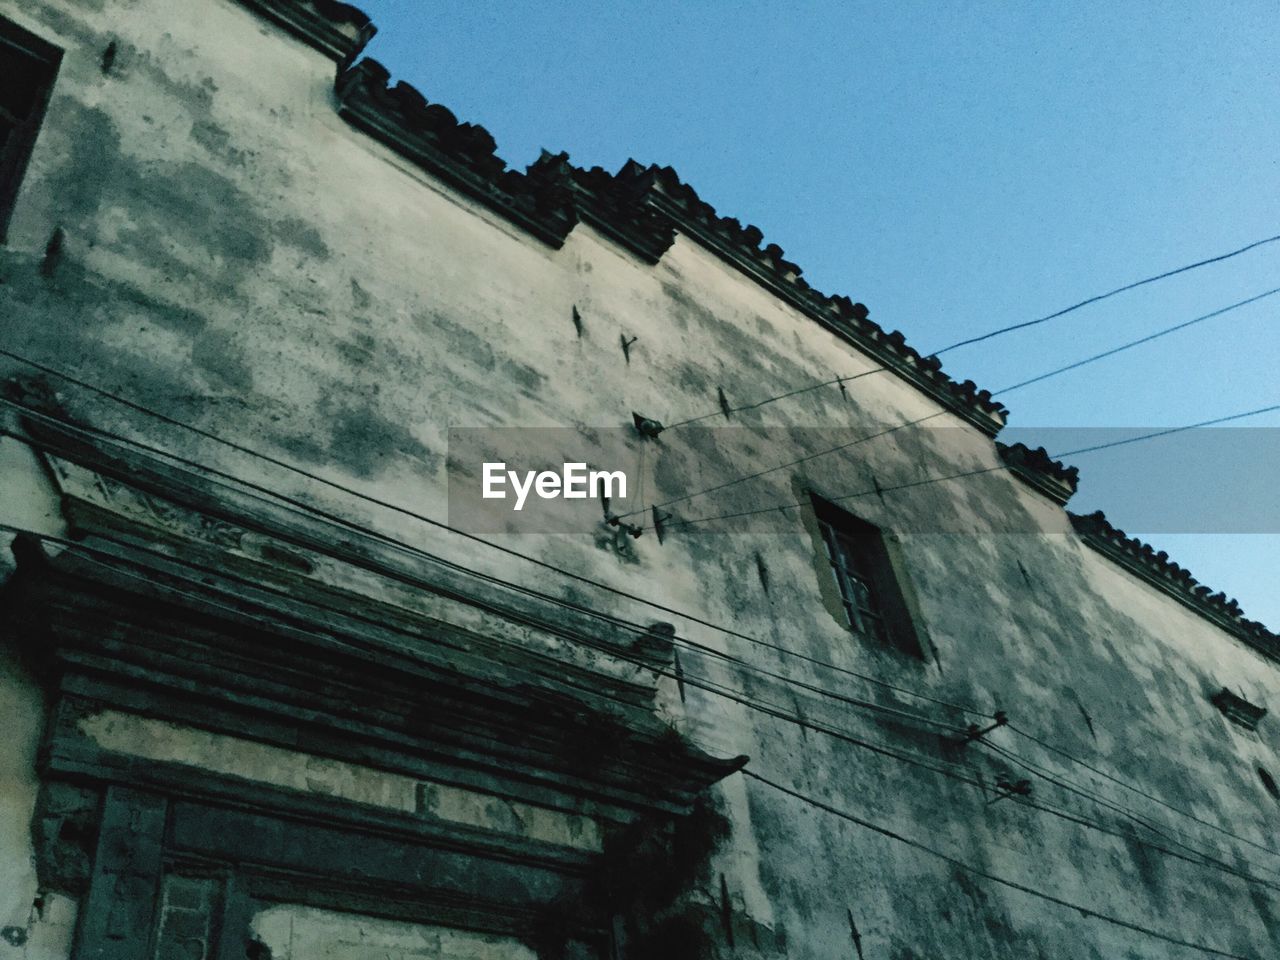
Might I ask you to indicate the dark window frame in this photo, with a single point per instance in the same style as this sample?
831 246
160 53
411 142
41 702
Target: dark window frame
22 54
867 582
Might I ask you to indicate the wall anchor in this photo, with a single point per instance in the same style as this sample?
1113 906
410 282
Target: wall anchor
659 521
647 426
977 733
1018 788
616 521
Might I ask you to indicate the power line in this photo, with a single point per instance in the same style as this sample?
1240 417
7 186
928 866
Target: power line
700 648
769 709
1134 343
1140 792
598 584
1104 296
981 470
986 336
781 396
987 875
1199 859
792 463
911 423
1085 793
292 505
727 631
1067 785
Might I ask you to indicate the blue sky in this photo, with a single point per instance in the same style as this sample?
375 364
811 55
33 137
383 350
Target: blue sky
955 166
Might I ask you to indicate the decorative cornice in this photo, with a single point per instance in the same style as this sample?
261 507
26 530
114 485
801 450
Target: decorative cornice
640 208
1036 468
337 30
171 568
1157 569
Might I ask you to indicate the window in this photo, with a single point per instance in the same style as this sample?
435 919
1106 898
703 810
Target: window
869 592
28 65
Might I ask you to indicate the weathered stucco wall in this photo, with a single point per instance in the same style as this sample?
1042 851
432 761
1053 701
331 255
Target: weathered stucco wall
239 258
296 933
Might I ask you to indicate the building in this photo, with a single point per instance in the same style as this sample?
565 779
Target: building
262 700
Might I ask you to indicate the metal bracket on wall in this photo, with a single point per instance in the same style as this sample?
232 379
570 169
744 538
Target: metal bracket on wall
659 521
977 733
1018 788
616 521
646 426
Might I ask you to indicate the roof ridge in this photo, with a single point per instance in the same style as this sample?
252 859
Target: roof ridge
1156 568
1038 468
338 30
640 208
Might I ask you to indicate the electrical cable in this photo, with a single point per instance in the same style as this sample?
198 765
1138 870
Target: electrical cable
405 511
987 875
264 495
1134 343
1107 295
1195 857
1140 792
986 336
792 463
697 647
1064 784
770 709
689 644
700 648
982 470
1004 390
730 693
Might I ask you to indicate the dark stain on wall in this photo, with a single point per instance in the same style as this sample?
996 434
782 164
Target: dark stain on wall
93 149
217 354
196 96
188 220
457 340
301 235
1149 863
366 444
359 351
528 379
217 141
691 377
75 303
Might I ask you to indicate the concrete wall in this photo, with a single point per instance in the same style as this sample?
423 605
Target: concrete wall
238 257
305 933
